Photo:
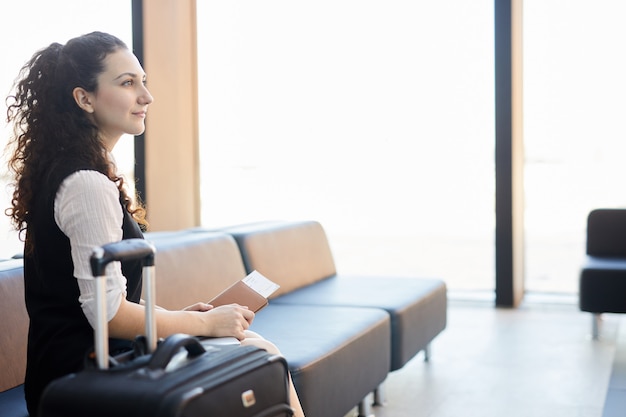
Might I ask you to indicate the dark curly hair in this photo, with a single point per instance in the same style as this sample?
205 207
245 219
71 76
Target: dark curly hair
49 127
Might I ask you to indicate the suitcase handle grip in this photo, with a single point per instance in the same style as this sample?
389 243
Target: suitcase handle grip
128 249
170 346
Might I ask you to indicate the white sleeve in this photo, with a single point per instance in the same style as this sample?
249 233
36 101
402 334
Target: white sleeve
88 211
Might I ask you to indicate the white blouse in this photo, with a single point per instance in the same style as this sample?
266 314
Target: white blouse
87 209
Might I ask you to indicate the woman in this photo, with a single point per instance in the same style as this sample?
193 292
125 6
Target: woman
71 105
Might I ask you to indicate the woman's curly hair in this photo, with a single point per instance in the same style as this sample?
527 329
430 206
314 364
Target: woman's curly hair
49 127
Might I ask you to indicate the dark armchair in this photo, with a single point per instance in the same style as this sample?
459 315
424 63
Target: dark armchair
602 287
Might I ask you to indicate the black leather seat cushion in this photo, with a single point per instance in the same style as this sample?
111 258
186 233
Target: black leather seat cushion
603 285
417 306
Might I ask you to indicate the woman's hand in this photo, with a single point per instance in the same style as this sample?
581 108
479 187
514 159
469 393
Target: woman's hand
228 320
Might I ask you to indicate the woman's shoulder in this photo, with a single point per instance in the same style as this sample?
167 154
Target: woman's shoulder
85 190
88 179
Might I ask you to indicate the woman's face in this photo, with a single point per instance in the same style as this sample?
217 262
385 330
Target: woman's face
121 100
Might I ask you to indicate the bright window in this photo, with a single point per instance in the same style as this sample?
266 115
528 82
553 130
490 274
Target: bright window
574 108
374 118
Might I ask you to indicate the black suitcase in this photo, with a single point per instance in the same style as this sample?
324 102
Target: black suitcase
180 376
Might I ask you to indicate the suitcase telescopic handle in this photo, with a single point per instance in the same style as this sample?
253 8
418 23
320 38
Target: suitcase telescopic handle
125 250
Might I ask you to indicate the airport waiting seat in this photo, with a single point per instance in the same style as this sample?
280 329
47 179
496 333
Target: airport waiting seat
602 285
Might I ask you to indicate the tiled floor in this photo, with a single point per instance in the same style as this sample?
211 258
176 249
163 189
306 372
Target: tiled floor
537 360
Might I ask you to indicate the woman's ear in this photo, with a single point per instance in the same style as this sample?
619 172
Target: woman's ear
83 99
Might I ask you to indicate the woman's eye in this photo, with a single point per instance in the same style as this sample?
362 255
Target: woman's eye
128 82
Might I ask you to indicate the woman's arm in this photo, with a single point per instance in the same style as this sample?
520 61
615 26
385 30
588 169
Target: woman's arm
228 320
88 212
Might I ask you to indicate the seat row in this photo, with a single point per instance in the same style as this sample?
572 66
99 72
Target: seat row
341 335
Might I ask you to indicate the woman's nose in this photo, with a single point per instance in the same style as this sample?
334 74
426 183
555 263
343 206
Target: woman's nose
146 97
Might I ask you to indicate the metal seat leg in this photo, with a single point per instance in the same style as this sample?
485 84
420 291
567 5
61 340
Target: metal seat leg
427 353
365 407
595 325
379 395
